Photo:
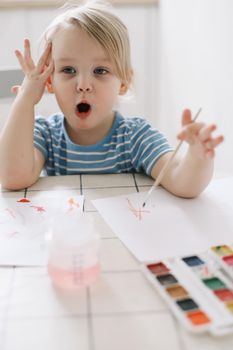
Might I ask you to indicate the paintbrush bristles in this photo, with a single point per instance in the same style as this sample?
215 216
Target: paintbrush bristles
167 164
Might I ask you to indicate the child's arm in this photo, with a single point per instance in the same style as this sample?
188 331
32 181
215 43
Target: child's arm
188 177
21 163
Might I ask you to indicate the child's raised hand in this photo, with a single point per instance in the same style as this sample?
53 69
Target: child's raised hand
199 136
34 82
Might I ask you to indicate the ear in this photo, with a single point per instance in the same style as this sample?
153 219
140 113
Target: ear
49 85
123 89
126 84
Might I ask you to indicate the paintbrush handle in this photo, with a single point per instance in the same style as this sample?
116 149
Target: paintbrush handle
162 172
167 164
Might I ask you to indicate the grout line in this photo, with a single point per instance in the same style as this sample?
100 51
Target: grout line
81 193
53 189
91 211
90 321
109 187
104 271
81 184
178 332
120 271
95 314
84 188
5 314
48 317
130 313
135 182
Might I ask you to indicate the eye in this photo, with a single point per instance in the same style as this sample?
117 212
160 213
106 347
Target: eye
100 71
68 70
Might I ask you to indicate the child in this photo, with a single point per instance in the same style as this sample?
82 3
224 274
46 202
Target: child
86 64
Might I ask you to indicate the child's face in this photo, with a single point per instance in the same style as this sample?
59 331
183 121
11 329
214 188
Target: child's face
84 82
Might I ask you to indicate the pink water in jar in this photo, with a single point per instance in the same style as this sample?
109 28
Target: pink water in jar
73 260
73 279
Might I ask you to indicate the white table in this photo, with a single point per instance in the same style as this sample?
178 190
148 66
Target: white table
121 311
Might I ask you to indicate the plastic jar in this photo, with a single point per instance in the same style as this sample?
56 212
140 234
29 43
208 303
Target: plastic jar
73 259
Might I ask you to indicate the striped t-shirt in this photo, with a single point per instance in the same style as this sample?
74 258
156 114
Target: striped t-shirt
131 145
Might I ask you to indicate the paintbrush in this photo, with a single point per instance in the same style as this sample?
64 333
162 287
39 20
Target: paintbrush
166 165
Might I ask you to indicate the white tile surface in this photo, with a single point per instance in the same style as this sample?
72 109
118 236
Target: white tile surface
5 278
121 310
136 332
33 295
53 183
115 256
57 195
91 194
143 180
124 292
47 334
6 275
205 341
110 180
100 225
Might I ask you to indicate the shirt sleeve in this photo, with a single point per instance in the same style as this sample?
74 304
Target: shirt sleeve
41 135
147 146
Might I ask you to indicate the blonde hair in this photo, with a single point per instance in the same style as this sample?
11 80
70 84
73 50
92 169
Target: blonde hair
96 19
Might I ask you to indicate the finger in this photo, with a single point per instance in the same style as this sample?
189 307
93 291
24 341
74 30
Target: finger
15 89
190 130
27 54
48 70
21 60
206 131
49 57
186 117
49 62
44 57
210 144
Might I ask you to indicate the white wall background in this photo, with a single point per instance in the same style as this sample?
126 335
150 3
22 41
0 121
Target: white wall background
183 57
196 67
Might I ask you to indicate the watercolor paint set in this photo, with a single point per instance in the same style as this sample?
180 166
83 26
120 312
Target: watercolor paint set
197 288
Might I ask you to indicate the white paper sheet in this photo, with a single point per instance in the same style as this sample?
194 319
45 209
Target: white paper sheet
23 226
168 225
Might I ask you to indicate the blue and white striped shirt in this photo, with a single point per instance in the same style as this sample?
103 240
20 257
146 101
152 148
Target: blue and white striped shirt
131 145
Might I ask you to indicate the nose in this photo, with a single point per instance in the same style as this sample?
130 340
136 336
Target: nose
84 84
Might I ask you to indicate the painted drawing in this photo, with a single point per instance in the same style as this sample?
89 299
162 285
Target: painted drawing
169 225
24 223
137 210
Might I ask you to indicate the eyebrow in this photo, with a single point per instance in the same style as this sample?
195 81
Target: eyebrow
97 59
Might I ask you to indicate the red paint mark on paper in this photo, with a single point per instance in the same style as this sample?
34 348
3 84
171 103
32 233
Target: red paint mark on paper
11 213
136 212
38 208
23 200
73 204
12 234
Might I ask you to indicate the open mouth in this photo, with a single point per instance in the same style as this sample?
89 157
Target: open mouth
83 109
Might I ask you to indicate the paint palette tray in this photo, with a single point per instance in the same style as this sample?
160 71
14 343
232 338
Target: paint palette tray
198 289
223 254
